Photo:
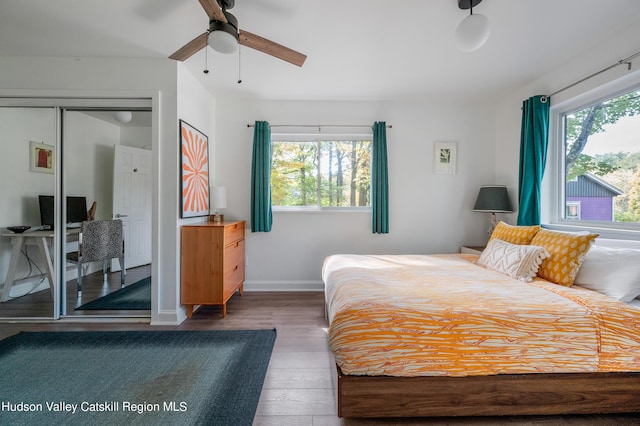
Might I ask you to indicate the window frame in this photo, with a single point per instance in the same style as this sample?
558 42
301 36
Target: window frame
554 199
318 137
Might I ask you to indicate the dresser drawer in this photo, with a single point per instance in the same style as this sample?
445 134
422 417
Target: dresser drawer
234 264
233 233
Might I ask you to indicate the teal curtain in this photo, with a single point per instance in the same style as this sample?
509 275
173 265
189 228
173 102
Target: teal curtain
534 137
261 215
379 180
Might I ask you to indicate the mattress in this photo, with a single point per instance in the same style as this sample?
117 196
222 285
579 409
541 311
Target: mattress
443 315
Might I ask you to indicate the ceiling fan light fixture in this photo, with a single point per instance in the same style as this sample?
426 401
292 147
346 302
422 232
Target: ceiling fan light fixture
223 36
223 41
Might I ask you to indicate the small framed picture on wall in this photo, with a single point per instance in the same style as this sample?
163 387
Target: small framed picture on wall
41 157
445 157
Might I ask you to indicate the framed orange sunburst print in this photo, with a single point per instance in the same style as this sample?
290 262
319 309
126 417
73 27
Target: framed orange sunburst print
194 172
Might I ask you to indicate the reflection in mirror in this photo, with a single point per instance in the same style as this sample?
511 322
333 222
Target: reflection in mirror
107 161
27 170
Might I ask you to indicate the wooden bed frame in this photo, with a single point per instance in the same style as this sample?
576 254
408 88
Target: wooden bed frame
509 394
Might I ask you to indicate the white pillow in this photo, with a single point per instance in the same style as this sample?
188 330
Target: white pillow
517 261
611 271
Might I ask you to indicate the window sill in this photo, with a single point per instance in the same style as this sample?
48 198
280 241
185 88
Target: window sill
608 232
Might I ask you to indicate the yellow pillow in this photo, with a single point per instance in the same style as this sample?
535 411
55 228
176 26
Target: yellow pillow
521 235
567 254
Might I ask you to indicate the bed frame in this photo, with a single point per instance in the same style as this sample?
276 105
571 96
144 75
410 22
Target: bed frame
509 394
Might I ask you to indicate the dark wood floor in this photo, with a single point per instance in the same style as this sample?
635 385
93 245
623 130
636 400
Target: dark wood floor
299 388
40 304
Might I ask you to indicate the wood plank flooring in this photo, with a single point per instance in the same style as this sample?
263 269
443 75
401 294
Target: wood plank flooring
299 387
40 304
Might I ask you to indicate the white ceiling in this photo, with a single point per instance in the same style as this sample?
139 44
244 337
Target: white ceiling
357 49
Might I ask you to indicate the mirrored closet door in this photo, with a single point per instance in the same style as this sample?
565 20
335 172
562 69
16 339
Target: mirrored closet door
107 181
76 161
28 168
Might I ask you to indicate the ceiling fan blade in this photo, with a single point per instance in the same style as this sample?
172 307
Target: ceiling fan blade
190 48
271 48
213 10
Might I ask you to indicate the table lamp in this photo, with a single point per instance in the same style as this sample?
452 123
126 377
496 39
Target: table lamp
218 198
493 199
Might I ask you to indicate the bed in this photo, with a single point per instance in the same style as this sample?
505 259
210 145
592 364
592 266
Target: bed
442 335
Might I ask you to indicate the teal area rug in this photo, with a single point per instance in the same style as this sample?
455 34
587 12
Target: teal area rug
136 296
133 377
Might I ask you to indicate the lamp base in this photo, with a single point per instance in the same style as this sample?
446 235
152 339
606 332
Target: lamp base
494 223
217 218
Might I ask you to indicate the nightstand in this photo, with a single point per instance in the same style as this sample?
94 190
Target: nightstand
472 249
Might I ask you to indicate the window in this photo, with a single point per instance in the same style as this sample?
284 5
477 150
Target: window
600 170
321 173
572 210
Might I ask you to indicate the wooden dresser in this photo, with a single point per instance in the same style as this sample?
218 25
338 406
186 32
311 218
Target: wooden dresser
212 263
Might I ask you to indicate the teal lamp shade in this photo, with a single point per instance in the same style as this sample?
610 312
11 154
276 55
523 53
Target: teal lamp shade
493 199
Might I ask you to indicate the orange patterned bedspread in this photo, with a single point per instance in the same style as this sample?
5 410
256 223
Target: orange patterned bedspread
418 315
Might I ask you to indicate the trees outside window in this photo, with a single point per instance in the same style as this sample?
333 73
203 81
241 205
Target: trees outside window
321 173
602 160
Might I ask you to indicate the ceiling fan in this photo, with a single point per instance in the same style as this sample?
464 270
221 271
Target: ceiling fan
224 36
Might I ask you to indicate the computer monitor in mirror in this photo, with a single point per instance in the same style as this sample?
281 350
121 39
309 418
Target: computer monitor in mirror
76 210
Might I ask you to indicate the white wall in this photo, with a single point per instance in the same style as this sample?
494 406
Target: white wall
21 187
197 107
88 147
137 137
429 213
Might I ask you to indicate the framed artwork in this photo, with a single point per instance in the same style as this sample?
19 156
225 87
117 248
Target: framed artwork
445 157
194 172
41 157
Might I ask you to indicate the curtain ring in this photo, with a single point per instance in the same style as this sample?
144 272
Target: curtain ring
543 99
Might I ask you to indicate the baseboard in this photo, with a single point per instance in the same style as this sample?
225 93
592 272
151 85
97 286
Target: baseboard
169 317
283 285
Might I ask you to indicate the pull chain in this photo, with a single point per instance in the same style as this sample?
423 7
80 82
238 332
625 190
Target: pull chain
239 65
206 60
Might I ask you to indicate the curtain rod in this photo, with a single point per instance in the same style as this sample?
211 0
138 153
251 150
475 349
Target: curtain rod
319 126
626 61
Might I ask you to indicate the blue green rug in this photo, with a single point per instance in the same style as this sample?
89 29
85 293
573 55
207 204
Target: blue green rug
136 296
133 377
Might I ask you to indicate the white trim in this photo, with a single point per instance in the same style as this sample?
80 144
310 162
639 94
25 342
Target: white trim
314 209
607 233
320 137
267 285
168 317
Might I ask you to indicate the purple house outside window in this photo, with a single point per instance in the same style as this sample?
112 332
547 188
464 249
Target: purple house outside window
590 198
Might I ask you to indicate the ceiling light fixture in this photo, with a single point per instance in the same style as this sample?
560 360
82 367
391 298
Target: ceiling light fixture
123 116
223 36
473 31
